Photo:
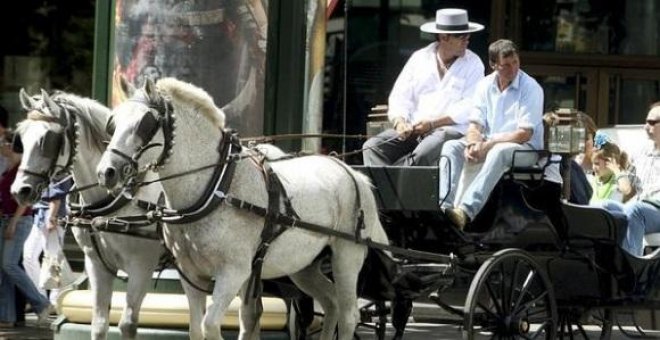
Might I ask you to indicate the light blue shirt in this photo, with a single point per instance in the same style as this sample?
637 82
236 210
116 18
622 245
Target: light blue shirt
519 106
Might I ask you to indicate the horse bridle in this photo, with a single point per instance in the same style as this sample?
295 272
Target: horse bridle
157 117
51 145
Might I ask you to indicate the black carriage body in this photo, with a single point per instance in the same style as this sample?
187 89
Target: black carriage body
576 245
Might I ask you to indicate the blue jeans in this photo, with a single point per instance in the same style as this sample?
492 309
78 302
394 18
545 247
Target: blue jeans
13 275
497 162
642 217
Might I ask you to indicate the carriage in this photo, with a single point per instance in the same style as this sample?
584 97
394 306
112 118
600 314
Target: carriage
529 265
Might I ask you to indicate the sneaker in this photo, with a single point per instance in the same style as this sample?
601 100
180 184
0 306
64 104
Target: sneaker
458 217
43 317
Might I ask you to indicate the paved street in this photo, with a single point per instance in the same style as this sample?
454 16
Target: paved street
414 331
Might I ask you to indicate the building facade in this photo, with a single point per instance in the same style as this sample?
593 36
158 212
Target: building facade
602 57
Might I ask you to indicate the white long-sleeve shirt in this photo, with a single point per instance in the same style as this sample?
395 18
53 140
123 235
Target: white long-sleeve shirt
419 92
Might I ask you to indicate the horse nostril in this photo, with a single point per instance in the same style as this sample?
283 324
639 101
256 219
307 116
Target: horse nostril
110 173
24 193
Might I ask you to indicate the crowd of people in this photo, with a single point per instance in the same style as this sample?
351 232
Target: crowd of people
445 111
27 232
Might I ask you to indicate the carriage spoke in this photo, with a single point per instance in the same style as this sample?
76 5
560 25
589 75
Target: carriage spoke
532 302
512 287
528 282
487 310
493 296
503 288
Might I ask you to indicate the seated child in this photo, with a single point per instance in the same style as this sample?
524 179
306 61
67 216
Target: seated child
611 179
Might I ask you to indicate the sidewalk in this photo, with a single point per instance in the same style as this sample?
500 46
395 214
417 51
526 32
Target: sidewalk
29 331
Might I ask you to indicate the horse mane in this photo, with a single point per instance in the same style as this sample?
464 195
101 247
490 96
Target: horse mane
190 95
93 114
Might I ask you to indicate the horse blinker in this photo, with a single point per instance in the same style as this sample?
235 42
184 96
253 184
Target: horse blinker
50 144
148 127
16 144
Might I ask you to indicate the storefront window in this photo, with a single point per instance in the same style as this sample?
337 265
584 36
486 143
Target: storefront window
631 98
615 27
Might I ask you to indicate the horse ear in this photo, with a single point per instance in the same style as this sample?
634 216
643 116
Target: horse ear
26 101
52 106
150 88
126 86
110 125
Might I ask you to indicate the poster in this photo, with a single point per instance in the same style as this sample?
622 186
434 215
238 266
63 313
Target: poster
219 46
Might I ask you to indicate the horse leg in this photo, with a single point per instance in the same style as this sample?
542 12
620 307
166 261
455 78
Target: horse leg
315 284
138 278
100 281
347 260
249 315
228 282
196 306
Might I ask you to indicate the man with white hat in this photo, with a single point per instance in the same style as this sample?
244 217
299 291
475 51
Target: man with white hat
429 103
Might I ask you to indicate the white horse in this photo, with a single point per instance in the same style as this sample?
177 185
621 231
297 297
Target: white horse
220 247
53 142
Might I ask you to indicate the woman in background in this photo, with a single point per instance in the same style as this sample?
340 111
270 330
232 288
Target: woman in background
15 228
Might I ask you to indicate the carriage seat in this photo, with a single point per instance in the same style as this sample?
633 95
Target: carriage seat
588 225
404 188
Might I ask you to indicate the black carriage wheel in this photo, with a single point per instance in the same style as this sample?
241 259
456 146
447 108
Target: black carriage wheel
373 315
571 326
510 297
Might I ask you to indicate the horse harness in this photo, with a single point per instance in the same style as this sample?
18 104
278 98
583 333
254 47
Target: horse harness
275 223
50 145
158 117
82 216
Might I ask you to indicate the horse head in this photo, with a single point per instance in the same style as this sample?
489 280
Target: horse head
49 139
41 137
135 124
144 121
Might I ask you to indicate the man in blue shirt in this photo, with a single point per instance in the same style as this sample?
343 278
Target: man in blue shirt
507 116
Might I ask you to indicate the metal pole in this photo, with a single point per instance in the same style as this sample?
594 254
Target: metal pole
345 77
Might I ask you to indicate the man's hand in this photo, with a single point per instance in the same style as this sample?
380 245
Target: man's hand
403 128
423 127
476 152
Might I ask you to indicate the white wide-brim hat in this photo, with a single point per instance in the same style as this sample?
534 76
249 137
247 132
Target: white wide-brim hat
451 21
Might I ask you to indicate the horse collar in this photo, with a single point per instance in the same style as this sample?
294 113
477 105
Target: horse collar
167 122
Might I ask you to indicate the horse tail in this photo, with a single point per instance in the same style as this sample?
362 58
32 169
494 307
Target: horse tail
374 229
370 208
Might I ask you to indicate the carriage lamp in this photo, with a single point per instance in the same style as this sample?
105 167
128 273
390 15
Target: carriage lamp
567 134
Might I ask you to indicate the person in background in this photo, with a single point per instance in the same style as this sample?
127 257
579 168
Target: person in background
20 298
581 189
429 103
47 235
584 159
611 179
4 120
15 228
643 210
507 116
